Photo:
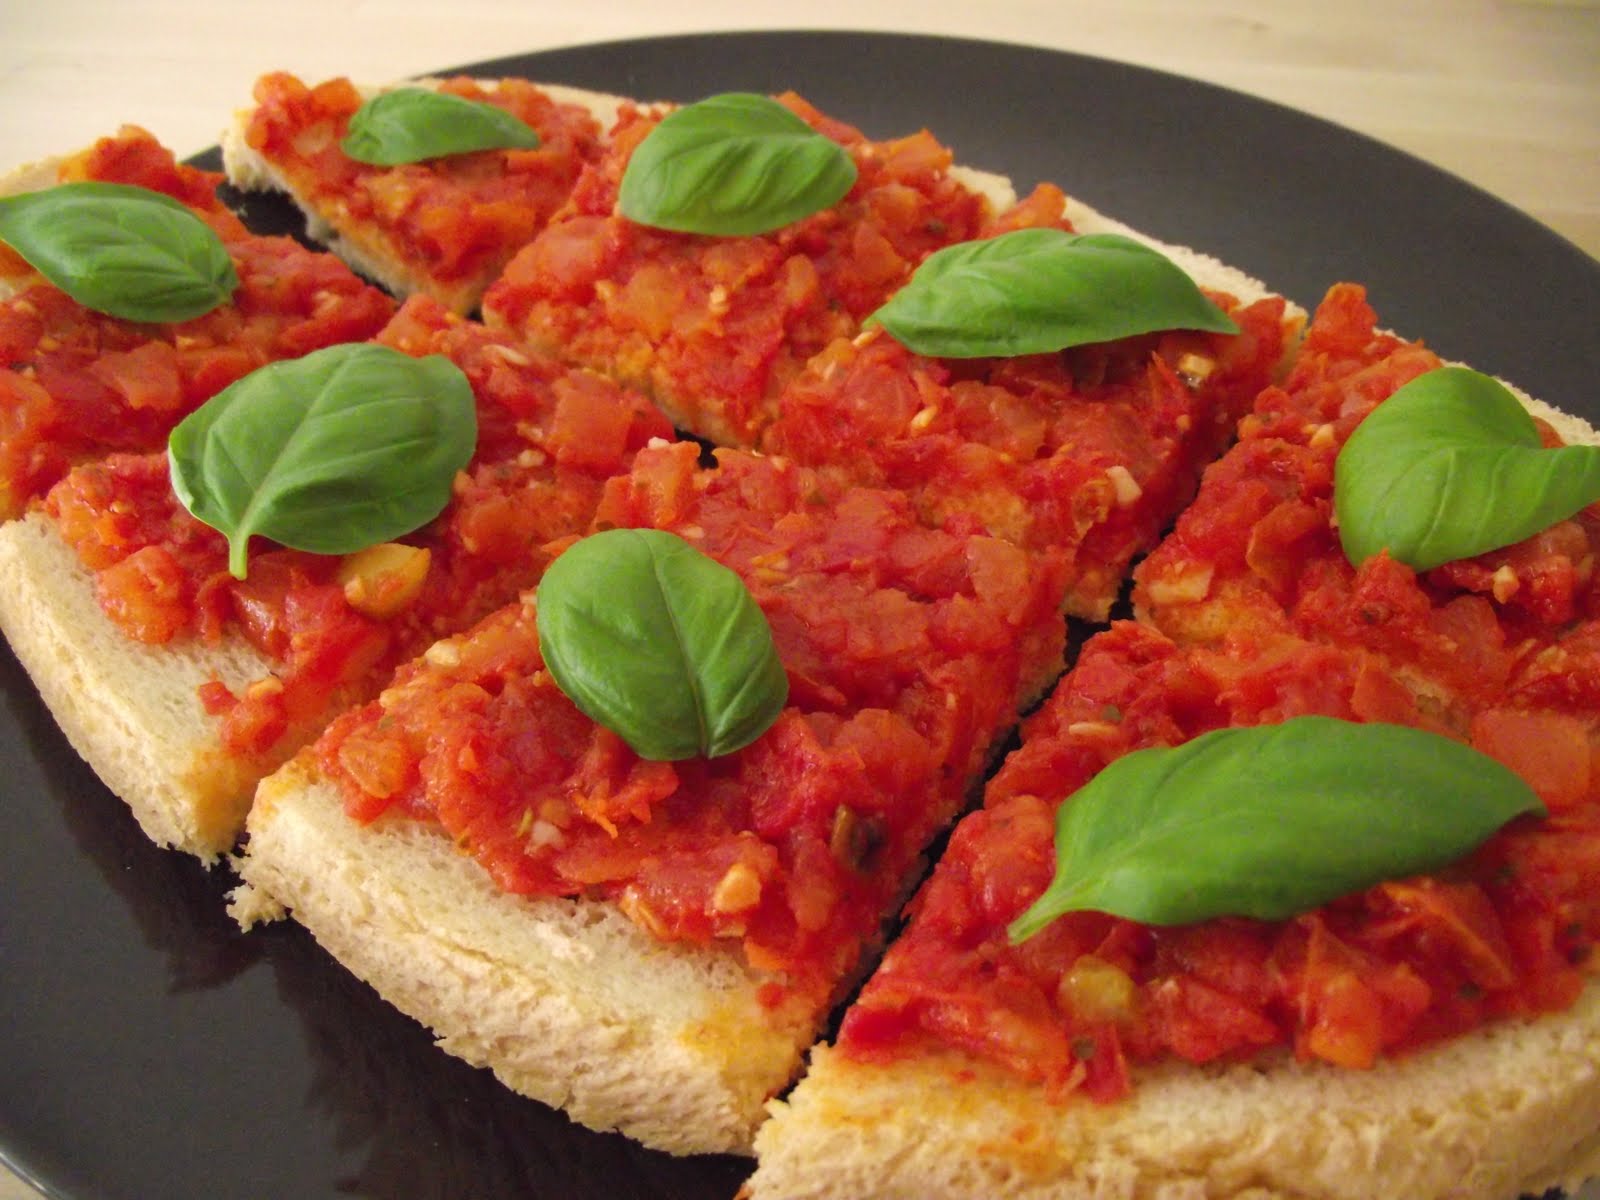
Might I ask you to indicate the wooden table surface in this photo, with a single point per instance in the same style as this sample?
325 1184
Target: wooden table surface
1505 95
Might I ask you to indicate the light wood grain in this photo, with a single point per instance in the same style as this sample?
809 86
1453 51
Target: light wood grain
1505 95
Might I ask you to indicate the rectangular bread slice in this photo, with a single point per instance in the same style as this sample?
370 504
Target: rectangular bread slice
1090 450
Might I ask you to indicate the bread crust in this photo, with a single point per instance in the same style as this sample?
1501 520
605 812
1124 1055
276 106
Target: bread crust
363 248
567 1001
1504 1110
130 710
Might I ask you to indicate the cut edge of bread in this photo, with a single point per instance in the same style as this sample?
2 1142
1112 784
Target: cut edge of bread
1508 1108
130 710
566 1001
363 248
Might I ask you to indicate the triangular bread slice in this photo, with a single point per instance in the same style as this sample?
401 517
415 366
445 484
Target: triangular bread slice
582 996
139 711
372 221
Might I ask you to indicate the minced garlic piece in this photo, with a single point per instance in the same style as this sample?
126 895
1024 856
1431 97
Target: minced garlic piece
738 891
383 580
1127 487
1505 583
1194 369
1186 584
443 654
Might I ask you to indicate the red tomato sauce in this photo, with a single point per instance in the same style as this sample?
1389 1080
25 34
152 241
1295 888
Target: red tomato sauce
1507 933
714 327
907 651
457 219
547 440
79 384
1090 451
1270 621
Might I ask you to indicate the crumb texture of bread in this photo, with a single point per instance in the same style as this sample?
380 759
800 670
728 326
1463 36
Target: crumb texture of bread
130 710
1486 1117
567 1001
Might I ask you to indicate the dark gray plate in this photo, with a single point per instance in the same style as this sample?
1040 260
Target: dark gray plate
149 1050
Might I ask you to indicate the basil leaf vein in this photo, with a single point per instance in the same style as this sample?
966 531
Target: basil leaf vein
1271 821
410 125
732 165
331 453
661 644
1451 466
125 251
1034 291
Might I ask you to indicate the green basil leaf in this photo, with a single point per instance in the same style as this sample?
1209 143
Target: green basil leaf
1271 821
661 644
125 251
733 165
415 124
1449 467
1034 291
331 453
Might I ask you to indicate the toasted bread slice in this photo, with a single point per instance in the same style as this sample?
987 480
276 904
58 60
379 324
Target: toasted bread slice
348 226
131 696
710 326
655 988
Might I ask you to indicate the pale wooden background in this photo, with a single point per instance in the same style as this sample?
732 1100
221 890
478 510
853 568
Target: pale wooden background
1506 95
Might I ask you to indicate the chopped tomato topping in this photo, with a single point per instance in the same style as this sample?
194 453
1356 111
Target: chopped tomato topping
547 441
1090 451
907 650
455 220
1254 616
75 384
714 327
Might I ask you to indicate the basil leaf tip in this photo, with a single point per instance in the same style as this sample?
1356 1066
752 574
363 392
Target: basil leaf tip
330 453
659 643
1035 291
732 165
125 251
1271 821
1451 466
410 125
